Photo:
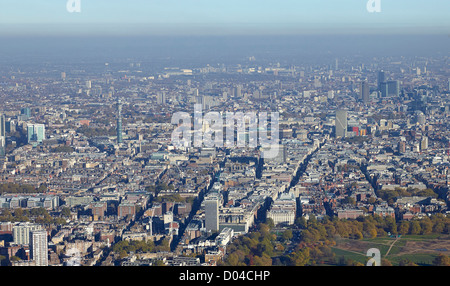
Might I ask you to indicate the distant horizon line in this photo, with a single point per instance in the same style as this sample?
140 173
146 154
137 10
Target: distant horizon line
199 29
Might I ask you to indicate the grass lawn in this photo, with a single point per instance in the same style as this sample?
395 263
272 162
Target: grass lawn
420 249
419 259
349 255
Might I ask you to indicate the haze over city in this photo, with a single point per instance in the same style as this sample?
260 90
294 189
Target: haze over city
203 17
94 172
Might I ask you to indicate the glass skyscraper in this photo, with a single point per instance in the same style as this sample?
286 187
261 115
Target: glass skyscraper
26 111
36 133
384 89
393 87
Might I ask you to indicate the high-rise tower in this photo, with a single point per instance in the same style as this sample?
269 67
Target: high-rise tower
393 88
119 122
212 214
2 135
39 247
381 79
21 232
35 133
365 91
341 123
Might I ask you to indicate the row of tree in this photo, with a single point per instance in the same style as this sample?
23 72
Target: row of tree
262 247
35 215
124 247
390 195
256 248
373 226
13 188
91 132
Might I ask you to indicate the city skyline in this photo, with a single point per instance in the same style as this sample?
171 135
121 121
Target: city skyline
237 133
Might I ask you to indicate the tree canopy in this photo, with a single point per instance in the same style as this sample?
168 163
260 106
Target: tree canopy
13 188
263 247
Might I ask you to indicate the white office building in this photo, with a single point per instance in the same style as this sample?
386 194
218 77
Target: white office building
21 232
39 247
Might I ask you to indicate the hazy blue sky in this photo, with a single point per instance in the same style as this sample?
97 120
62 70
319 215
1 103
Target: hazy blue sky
225 16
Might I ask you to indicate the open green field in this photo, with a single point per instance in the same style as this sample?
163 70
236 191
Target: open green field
419 249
